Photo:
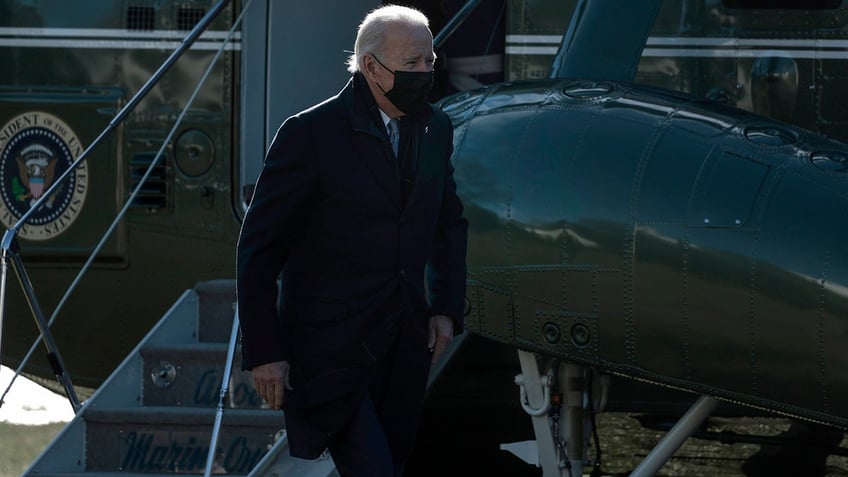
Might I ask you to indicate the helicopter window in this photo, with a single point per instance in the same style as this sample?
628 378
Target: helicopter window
783 4
188 17
141 18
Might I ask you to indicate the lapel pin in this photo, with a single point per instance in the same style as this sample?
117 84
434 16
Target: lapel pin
426 129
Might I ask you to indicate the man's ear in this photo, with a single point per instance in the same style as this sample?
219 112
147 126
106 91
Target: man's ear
369 66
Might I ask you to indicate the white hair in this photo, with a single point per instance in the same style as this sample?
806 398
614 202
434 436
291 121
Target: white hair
372 30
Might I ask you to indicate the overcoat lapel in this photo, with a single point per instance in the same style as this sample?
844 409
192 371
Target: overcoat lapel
381 164
421 164
372 146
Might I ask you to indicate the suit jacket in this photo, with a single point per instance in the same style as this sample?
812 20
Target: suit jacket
328 212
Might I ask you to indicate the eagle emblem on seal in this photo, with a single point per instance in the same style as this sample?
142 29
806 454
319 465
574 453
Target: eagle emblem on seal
36 166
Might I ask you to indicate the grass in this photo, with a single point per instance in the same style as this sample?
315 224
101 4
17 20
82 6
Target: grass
20 445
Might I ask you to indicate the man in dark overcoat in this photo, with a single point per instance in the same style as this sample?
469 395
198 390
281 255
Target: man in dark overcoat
364 230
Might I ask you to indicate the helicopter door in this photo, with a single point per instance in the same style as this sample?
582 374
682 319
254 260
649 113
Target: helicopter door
287 67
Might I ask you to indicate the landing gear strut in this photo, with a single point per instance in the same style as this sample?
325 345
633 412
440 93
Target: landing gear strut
561 403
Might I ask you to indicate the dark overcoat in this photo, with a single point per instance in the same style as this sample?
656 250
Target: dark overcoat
355 239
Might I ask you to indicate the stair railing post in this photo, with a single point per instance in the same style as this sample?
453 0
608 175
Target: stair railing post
4 272
10 253
222 395
53 356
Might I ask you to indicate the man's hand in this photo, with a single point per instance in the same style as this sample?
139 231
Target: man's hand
271 382
441 334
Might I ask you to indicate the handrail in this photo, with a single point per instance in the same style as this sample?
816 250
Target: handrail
222 395
8 244
231 349
281 445
454 23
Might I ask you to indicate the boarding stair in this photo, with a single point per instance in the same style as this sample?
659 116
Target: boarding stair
155 415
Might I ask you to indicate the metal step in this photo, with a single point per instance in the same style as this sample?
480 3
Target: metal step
154 415
190 375
216 305
176 439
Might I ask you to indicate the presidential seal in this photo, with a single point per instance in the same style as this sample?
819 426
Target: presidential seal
36 148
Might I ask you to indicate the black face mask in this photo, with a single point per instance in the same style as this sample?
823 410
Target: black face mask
410 91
